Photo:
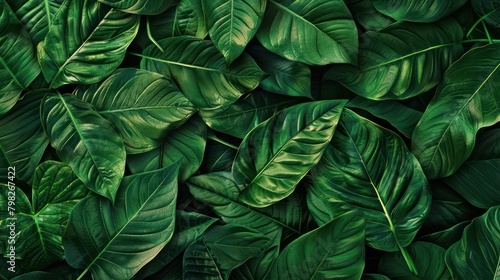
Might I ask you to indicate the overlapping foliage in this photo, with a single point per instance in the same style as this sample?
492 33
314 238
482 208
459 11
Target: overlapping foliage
250 139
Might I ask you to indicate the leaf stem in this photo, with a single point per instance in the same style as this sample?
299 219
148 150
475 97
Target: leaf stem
213 137
480 20
492 41
150 36
487 32
408 260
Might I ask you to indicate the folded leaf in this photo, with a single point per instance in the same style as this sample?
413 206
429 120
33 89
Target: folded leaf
418 10
117 241
369 168
278 153
323 31
86 42
141 7
142 105
86 141
402 60
465 101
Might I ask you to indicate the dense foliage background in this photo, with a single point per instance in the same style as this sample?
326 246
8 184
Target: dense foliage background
250 139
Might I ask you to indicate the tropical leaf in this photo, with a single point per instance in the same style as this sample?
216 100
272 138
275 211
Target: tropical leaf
402 60
189 59
323 31
141 7
476 255
446 238
73 51
142 105
334 250
86 141
369 168
278 153
218 157
489 10
418 10
232 24
465 101
138 225
367 16
18 65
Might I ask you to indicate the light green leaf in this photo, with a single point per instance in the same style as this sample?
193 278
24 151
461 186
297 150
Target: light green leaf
141 7
86 42
417 10
323 31
402 60
278 153
142 105
86 141
465 101
138 226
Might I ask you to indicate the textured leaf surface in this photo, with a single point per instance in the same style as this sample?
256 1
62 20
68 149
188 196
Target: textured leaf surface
401 61
201 71
86 42
323 31
142 7
142 105
138 226
418 10
86 141
279 152
465 101
369 168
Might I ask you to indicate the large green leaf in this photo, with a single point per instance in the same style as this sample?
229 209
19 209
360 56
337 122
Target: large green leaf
333 251
117 241
233 23
245 114
18 65
86 42
428 258
323 31
220 250
141 7
86 141
56 190
489 10
417 10
201 71
465 101
477 254
22 140
369 168
402 60
446 238
477 179
35 15
278 153
367 16
186 143
142 105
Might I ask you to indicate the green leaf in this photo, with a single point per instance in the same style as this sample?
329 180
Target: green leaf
447 237
141 7
465 101
489 10
285 76
335 250
369 168
218 157
38 275
186 143
402 60
476 255
22 139
477 179
86 42
429 260
201 71
139 225
220 250
233 23
323 31
373 276
35 15
367 16
278 153
245 114
417 10
18 65
86 141
142 105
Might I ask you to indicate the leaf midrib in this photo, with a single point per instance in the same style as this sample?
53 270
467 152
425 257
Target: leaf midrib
254 109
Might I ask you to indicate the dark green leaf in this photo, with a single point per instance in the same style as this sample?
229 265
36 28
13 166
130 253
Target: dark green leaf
138 226
38 275
373 276
365 14
278 153
86 141
417 10
86 42
401 61
141 7
218 157
447 237
465 101
489 9
369 168
323 31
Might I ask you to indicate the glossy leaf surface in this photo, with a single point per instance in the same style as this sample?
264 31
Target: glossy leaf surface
417 10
